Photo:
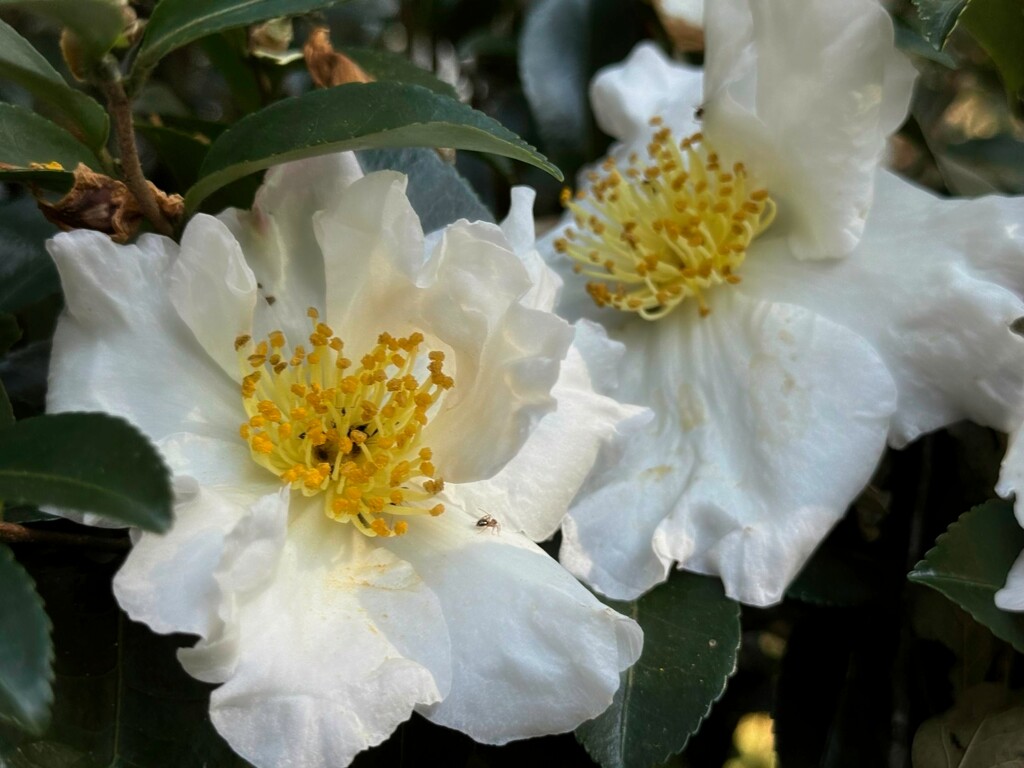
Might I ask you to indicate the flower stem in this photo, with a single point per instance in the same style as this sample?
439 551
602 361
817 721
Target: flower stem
12 533
120 109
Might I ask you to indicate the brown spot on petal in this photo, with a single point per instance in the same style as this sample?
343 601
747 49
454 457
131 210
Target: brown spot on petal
326 66
106 205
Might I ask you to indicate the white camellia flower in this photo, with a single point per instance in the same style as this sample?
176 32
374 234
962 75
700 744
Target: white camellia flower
788 308
332 393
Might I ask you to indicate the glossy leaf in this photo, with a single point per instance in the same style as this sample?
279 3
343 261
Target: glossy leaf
437 191
9 331
27 138
388 66
181 152
938 17
96 23
981 731
26 654
999 26
23 64
352 117
102 465
27 273
969 563
175 23
121 699
691 639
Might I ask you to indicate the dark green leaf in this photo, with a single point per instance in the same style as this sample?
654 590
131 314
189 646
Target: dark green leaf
103 465
122 699
27 273
554 64
351 117
23 64
969 563
23 372
51 180
999 26
982 731
181 153
96 23
691 638
175 23
6 412
438 193
938 17
233 66
26 653
387 66
27 138
9 331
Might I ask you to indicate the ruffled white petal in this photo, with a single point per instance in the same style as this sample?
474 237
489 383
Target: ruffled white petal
1011 475
805 95
533 491
120 343
1011 596
769 420
532 651
213 289
626 96
518 228
278 240
506 355
334 649
929 288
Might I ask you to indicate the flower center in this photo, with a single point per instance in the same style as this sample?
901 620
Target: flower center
663 230
351 433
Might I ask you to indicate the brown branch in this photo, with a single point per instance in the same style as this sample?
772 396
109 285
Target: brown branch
12 533
120 109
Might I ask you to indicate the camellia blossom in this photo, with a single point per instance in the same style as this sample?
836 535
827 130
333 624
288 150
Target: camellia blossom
788 307
336 396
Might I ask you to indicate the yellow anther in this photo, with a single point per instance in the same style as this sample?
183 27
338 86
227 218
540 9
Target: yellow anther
353 438
676 229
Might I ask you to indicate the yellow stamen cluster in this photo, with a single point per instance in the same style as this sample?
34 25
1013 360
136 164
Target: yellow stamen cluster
663 230
348 431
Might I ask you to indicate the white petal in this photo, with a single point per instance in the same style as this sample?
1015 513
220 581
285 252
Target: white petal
689 11
213 289
532 651
769 421
1011 596
519 232
506 355
626 96
373 248
533 491
218 464
278 240
805 95
1011 475
167 581
120 343
926 289
333 653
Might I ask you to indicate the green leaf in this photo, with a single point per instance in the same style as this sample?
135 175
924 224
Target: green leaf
27 138
103 465
982 731
938 17
181 152
26 654
233 64
691 638
9 331
23 64
121 699
438 193
388 66
96 23
969 563
27 273
6 411
999 26
175 23
351 117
